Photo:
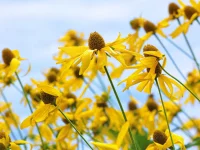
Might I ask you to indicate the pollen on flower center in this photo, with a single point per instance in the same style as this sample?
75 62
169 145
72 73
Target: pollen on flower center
96 41
149 26
7 56
173 8
47 98
189 11
159 137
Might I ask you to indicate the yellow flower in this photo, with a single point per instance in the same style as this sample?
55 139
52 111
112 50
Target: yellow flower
162 141
97 49
120 138
72 38
151 70
190 13
5 142
11 59
50 97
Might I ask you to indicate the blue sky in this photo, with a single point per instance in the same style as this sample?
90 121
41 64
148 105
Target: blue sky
34 27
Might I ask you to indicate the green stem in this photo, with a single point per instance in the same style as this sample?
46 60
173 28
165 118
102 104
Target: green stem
73 126
183 129
180 83
13 117
101 82
90 88
198 21
191 119
27 100
189 46
120 105
179 48
171 58
163 106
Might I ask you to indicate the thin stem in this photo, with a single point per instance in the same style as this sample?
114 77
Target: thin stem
120 105
180 83
169 56
181 110
73 126
27 100
13 117
189 46
101 82
179 48
90 88
163 106
183 129
198 21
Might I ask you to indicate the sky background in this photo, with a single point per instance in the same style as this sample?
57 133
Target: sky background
34 27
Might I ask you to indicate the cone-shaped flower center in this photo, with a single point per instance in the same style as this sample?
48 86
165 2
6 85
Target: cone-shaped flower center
96 41
173 8
189 11
159 137
7 56
149 26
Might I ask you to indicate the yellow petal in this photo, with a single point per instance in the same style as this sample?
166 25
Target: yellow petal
46 132
102 59
105 146
85 59
26 123
49 89
122 134
14 146
74 50
64 132
177 31
43 112
14 65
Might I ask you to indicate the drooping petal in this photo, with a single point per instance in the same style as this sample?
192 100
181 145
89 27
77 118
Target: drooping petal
49 89
85 59
122 134
74 50
104 146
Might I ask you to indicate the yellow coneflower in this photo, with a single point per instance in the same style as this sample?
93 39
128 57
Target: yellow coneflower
11 59
162 141
151 70
96 48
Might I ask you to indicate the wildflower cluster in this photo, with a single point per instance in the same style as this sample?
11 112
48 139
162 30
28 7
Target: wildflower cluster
74 107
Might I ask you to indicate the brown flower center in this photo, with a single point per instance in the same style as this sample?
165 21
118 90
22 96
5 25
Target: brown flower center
189 11
96 41
151 104
47 98
51 77
173 9
2 134
132 106
53 69
135 23
149 47
7 56
76 72
149 26
159 137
